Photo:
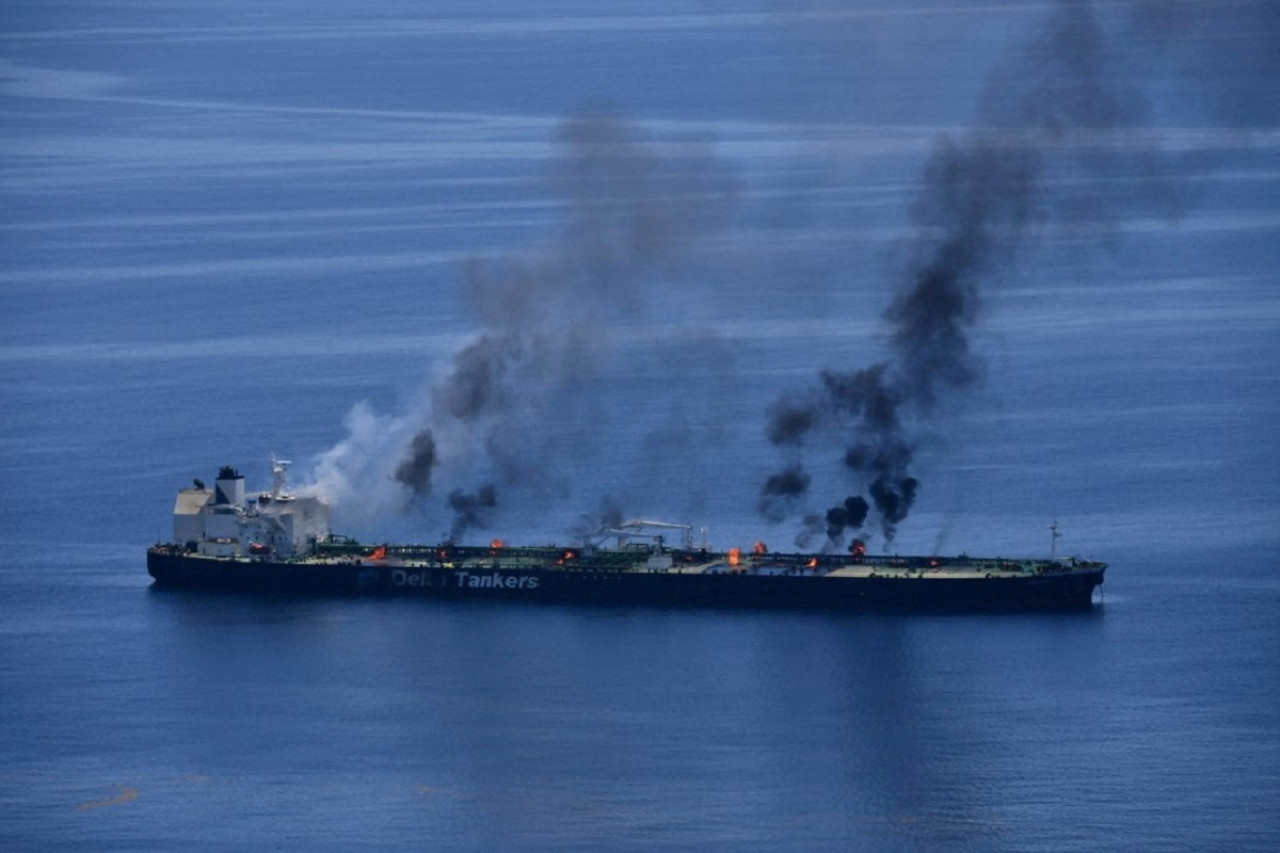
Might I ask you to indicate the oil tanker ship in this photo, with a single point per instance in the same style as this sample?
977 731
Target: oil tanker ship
277 542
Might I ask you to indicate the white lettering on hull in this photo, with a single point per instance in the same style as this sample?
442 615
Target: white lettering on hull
496 580
469 580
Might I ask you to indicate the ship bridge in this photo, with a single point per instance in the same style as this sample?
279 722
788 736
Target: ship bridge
225 522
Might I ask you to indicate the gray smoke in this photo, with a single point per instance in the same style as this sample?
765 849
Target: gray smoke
471 509
415 469
588 525
1053 110
1227 52
634 211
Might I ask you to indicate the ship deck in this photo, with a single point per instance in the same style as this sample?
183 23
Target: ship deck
869 568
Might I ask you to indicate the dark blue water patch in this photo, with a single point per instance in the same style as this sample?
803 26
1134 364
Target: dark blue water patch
551 726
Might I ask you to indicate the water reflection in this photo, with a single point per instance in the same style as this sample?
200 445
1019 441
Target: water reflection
554 726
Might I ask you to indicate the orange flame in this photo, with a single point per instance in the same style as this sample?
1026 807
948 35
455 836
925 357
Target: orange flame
759 548
379 553
497 543
734 555
813 563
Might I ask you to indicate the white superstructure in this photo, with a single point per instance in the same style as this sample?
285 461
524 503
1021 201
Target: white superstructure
223 522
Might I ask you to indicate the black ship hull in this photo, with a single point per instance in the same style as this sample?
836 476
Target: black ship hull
920 591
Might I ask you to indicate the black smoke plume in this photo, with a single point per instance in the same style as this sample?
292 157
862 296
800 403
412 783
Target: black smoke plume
983 191
847 516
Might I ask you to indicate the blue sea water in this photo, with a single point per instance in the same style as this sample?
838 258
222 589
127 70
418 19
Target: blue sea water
225 226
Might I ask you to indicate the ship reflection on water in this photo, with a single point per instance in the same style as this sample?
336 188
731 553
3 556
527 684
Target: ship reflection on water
873 731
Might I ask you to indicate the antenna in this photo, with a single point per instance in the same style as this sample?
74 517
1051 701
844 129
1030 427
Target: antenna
1054 536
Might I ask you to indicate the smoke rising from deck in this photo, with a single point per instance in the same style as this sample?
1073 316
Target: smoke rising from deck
517 400
782 491
471 509
1055 110
415 468
589 525
514 403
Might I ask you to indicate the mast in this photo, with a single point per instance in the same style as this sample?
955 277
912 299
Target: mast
279 473
1054 536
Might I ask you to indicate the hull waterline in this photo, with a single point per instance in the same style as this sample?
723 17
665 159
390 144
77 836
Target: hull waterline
907 590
